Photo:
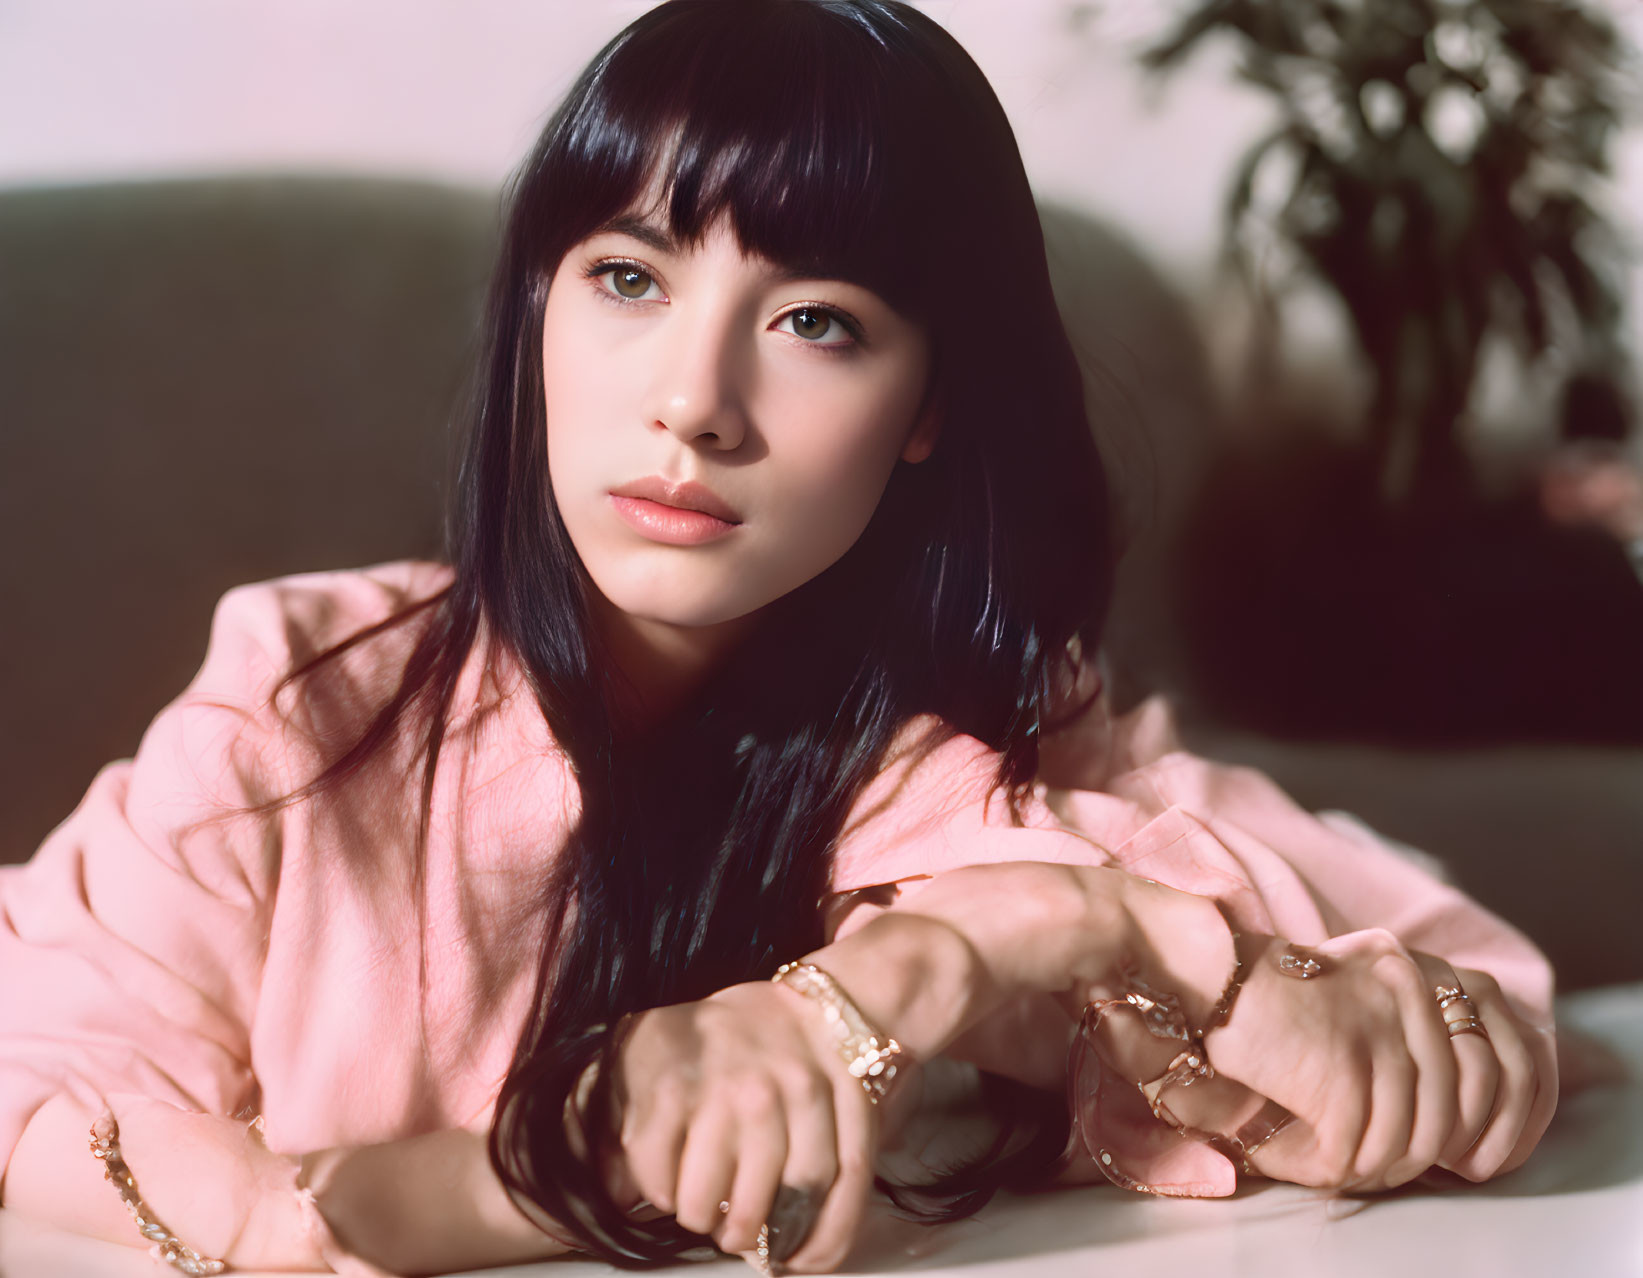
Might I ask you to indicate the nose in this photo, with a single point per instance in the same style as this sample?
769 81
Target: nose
696 392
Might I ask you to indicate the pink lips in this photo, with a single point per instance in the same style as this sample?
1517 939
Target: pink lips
684 514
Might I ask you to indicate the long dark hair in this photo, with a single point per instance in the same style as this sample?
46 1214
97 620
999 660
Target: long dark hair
853 139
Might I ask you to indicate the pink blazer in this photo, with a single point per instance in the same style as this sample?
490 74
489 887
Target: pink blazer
165 943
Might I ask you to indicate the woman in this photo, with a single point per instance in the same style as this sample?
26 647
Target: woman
431 928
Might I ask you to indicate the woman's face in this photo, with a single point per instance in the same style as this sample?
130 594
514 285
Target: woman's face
719 430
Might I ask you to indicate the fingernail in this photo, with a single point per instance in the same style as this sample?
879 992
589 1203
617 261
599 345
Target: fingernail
791 1219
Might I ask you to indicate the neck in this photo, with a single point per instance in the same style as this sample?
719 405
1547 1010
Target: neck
660 665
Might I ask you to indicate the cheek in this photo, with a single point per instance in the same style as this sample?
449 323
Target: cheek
841 492
841 465
577 396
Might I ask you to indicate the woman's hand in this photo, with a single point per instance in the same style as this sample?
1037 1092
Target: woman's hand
1360 1055
735 1099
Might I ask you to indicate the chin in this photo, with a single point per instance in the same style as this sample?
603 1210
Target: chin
682 609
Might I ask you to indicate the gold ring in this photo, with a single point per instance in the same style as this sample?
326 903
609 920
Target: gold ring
1249 1138
1460 1014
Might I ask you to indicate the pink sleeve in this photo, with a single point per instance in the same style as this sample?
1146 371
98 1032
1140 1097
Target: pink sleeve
1310 878
1195 825
937 807
132 942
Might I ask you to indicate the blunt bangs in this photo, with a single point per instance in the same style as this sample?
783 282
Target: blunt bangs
787 118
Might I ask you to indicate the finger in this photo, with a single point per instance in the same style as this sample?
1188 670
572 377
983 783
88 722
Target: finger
1273 1125
706 1168
1394 1074
1479 1087
1325 1131
1390 1118
811 1167
1246 1122
653 1141
760 1154
1516 1094
1479 1073
855 1129
1320 1151
1437 1070
1542 1047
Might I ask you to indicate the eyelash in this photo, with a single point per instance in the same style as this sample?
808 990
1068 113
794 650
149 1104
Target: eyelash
852 326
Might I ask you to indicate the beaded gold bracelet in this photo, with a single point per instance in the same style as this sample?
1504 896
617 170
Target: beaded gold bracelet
873 1059
1164 1017
105 1146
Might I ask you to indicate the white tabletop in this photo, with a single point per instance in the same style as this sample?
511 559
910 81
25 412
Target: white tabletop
1576 1208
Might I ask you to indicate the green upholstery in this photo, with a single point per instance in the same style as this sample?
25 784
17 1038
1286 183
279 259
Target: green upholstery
201 384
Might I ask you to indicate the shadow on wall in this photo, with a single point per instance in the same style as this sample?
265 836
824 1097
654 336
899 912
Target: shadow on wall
1312 610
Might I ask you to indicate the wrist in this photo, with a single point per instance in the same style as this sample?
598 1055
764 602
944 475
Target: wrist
215 1184
1179 942
1033 927
429 1203
913 977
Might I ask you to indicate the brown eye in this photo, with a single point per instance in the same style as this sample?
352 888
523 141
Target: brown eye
811 324
820 326
630 282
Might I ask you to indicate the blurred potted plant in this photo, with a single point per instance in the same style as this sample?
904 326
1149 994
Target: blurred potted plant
1434 162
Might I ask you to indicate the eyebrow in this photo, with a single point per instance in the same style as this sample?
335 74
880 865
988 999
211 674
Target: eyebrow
647 233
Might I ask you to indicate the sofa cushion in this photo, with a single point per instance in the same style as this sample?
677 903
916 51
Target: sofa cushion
205 383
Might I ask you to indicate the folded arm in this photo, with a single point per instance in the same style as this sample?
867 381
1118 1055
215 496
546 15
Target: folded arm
134 946
1214 832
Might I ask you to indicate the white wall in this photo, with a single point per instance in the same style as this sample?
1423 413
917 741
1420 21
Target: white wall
456 90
